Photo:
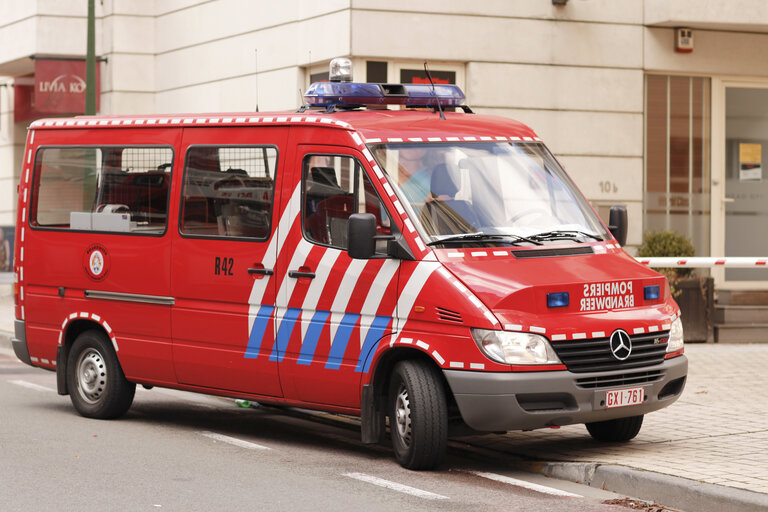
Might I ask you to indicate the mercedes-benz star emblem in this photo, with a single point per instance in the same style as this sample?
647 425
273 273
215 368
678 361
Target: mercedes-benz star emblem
621 344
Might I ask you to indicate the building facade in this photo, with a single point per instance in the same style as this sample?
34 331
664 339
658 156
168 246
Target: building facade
637 119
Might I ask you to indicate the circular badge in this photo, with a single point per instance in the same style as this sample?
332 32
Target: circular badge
96 262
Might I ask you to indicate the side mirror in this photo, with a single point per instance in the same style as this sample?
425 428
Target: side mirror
361 230
618 224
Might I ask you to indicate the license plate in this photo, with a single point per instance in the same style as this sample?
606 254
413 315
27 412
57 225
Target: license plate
624 397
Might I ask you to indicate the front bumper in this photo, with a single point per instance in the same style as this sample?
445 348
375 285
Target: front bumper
496 402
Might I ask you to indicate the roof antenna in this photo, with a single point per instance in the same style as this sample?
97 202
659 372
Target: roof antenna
256 51
429 76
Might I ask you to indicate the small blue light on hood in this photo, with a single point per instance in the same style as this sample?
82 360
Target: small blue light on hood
652 292
557 300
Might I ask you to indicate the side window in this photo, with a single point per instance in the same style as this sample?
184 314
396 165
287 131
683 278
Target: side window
118 189
228 191
335 187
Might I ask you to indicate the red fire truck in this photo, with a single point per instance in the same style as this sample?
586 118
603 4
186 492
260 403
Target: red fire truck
429 271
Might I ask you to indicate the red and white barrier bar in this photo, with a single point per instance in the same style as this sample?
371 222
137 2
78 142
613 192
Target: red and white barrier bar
729 262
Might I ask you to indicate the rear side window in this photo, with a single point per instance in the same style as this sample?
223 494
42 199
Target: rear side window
335 187
228 191
116 189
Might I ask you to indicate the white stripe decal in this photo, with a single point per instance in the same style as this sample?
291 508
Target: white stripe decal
260 285
412 289
395 486
375 295
344 293
299 257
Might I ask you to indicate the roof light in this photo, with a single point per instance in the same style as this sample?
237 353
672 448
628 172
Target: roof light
348 94
340 70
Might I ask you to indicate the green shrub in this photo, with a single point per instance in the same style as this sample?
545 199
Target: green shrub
669 244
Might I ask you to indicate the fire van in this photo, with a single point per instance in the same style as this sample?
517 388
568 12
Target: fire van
425 270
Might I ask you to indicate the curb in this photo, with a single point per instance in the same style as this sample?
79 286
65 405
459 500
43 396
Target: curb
672 491
667 490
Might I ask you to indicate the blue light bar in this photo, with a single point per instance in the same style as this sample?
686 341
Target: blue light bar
652 292
423 95
558 300
350 94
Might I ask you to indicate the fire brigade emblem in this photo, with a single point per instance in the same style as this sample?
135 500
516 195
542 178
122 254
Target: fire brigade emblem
96 262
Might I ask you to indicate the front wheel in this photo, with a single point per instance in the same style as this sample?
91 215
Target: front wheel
97 384
418 415
619 430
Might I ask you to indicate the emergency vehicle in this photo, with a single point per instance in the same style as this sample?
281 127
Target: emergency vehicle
420 266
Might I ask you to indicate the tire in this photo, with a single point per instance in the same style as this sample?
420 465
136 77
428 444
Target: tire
96 382
619 430
418 415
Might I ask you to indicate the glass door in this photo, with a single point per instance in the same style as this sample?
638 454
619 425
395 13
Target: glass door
740 179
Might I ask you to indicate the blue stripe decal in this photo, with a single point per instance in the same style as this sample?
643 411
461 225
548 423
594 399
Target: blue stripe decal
260 324
341 340
309 344
284 333
377 330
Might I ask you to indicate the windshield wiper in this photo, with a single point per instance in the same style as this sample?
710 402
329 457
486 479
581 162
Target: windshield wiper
565 234
480 237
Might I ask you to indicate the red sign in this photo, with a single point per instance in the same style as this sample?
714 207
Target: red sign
60 86
57 87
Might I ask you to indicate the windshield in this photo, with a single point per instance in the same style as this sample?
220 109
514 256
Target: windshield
492 193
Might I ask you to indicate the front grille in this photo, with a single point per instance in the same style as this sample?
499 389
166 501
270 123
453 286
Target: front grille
594 355
622 379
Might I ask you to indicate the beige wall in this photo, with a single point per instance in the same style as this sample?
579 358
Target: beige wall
574 73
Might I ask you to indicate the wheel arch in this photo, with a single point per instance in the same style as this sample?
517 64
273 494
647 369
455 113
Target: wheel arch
69 333
373 409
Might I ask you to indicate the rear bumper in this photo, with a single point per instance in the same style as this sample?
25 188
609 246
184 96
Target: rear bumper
495 402
19 341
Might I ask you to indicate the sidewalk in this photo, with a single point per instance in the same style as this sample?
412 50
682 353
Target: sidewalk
717 433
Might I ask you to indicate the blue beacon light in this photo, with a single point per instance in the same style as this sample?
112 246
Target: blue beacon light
558 300
342 92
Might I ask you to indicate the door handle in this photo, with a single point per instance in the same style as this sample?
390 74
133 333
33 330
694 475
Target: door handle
261 271
297 274
729 199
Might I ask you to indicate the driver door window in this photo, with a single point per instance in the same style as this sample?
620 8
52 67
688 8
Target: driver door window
335 187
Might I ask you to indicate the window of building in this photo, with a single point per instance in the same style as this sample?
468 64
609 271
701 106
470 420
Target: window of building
228 191
335 187
120 189
677 148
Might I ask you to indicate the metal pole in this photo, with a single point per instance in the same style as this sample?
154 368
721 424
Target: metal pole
90 62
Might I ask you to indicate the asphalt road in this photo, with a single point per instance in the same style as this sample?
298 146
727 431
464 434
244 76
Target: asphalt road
187 452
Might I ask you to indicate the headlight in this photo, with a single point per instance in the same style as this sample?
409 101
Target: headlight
675 336
515 347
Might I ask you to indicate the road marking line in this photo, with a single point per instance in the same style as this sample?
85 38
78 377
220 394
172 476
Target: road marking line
31 385
524 484
233 441
395 486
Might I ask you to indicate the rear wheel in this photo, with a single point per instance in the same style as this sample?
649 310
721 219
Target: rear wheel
619 430
96 382
418 417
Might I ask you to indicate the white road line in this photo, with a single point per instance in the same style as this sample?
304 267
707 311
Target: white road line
32 385
395 486
524 484
233 441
